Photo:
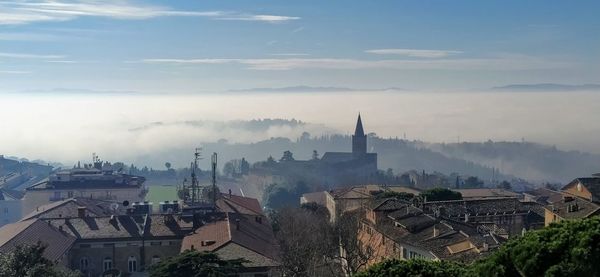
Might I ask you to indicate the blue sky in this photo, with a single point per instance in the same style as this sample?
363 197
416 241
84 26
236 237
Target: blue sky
208 46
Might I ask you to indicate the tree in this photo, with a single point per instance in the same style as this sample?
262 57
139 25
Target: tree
414 267
568 248
168 166
392 194
315 155
28 261
287 156
473 182
504 185
441 194
228 169
354 255
305 240
196 264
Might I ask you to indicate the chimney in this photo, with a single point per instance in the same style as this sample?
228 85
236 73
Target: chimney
436 231
81 212
237 224
486 247
466 217
229 193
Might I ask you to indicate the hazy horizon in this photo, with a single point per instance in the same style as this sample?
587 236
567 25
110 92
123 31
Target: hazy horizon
69 127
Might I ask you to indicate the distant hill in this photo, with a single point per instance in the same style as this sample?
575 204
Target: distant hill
548 87
298 89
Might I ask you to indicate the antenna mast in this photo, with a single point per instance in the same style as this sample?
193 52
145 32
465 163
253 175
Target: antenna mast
214 179
197 157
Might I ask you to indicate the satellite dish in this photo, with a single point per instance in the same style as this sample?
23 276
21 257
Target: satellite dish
125 203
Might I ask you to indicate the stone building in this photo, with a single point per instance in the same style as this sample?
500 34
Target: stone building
396 229
580 199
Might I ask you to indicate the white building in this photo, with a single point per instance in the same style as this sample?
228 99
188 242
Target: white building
86 183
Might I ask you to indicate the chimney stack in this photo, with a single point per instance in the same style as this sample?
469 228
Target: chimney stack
237 224
81 212
436 231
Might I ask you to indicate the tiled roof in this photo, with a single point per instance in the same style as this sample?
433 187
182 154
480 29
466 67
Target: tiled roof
32 231
584 208
337 157
386 204
239 204
8 194
544 195
486 193
480 206
590 183
448 233
69 208
124 226
245 231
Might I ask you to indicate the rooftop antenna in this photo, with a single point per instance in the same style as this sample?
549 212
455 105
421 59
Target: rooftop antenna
214 179
197 157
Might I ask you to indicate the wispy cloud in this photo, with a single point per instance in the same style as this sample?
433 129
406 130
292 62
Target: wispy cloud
24 12
498 63
28 56
258 17
14 72
26 36
417 53
290 54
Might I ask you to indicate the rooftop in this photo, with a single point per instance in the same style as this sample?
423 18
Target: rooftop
34 230
70 208
238 236
486 193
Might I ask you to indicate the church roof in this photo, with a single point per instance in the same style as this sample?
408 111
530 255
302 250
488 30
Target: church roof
359 131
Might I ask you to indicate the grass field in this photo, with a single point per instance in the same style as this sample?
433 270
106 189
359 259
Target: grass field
157 194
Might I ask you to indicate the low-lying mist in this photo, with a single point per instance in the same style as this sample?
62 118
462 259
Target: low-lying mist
136 128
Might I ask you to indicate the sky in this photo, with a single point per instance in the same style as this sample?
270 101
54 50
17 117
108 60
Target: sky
77 76
215 46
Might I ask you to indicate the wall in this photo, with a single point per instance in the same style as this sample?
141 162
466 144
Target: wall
119 252
10 211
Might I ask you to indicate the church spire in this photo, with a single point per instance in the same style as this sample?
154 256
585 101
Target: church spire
359 140
359 128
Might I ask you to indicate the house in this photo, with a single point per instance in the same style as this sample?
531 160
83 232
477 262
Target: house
341 200
238 236
396 229
509 214
580 199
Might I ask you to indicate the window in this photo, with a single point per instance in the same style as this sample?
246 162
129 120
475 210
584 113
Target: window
70 194
109 245
132 264
155 243
84 263
6 210
155 259
107 263
404 253
85 246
